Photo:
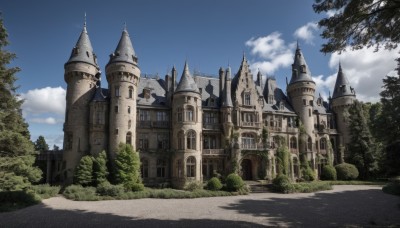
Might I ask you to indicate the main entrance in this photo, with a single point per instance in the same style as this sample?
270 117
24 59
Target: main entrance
246 169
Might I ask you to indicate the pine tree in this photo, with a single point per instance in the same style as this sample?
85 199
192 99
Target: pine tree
84 171
127 165
16 150
41 145
362 151
100 171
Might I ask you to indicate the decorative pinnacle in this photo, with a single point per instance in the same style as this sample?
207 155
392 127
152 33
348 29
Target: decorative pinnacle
124 26
84 23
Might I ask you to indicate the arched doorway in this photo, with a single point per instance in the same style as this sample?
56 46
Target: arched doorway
246 169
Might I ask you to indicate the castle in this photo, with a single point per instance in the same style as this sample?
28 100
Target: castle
189 129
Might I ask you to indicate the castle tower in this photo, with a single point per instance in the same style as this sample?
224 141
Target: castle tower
301 91
227 105
343 97
81 75
123 75
186 131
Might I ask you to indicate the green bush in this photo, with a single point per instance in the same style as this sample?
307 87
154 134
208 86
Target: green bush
107 189
346 171
192 186
308 174
214 184
13 200
79 193
393 187
134 187
234 182
282 184
45 191
314 186
83 174
328 173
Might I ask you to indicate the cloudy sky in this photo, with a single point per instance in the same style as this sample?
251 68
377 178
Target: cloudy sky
208 34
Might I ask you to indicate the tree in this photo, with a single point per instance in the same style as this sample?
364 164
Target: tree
127 165
362 151
16 150
84 171
100 171
56 148
282 153
41 145
359 23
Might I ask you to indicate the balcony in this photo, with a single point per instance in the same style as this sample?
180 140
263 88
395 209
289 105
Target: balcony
214 152
275 129
259 146
251 124
144 124
161 124
292 130
211 126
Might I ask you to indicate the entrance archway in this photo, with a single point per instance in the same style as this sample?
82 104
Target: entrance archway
246 169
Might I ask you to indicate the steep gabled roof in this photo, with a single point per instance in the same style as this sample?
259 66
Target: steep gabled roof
342 85
187 84
124 51
300 70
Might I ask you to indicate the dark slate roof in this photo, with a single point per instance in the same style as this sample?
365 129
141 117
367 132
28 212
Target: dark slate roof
124 51
271 88
186 84
83 51
342 85
298 75
227 98
100 94
209 89
157 92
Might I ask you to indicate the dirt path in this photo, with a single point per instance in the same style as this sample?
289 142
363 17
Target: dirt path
344 206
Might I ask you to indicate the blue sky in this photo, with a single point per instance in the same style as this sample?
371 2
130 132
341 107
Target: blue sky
209 34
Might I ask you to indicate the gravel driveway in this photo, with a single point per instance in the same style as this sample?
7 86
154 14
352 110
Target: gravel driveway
344 206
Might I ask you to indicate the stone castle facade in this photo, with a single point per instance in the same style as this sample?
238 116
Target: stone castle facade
189 129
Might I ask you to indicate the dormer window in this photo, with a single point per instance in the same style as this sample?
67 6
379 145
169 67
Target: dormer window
271 99
247 100
87 53
212 102
319 101
303 69
282 105
146 93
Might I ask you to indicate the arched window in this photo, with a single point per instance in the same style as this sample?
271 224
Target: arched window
161 167
181 141
179 115
191 167
322 143
129 138
189 113
191 140
130 95
309 144
144 167
293 143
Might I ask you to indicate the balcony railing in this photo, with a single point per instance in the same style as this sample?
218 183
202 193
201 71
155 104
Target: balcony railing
214 151
292 130
212 126
144 124
251 124
253 146
275 129
161 124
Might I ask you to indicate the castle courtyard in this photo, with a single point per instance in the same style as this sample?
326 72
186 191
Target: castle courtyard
344 206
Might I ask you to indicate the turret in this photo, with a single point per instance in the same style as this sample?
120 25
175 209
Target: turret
343 97
221 81
227 105
186 131
301 91
81 75
123 75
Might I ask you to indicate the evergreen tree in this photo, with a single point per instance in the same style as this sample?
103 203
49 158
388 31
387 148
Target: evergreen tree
362 151
16 150
84 171
41 145
127 165
100 171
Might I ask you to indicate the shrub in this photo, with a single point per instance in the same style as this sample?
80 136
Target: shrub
127 165
194 185
77 192
308 174
107 189
100 171
214 184
45 190
328 173
134 187
83 172
13 200
234 182
282 184
312 186
346 171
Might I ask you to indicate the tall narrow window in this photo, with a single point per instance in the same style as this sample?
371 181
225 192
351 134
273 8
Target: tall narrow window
129 138
191 167
293 143
309 144
144 167
179 115
143 141
116 108
191 140
130 95
161 167
247 99
181 141
116 89
129 124
129 109
189 113
322 143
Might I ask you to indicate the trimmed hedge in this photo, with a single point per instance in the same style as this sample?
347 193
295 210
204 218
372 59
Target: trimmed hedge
346 171
107 189
282 184
234 182
328 173
214 184
308 174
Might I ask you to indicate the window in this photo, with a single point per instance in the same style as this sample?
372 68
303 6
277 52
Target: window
304 102
129 138
129 124
208 168
162 141
293 143
303 68
116 131
291 122
130 95
209 142
98 118
162 116
322 143
191 167
144 167
181 141
210 117
116 108
143 141
161 167
311 103
116 89
189 113
309 144
191 140
247 99
129 109
271 99
212 102
179 115
248 141
144 115
179 167
309 112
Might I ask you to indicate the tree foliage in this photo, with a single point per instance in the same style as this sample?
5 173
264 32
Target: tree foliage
100 170
127 165
282 153
41 145
359 23
84 171
16 150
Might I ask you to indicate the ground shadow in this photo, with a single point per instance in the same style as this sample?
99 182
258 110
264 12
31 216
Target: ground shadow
349 208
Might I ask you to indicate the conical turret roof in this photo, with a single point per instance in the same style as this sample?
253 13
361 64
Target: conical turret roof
227 100
124 51
300 70
187 83
342 85
83 51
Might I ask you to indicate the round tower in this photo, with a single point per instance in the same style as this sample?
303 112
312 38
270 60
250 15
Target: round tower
81 75
186 131
343 97
301 90
123 75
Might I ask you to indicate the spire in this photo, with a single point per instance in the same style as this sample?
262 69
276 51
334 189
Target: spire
124 51
227 100
259 78
342 85
187 83
300 71
83 51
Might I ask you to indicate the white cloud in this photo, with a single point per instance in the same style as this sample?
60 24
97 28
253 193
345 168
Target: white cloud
48 120
44 100
272 52
306 32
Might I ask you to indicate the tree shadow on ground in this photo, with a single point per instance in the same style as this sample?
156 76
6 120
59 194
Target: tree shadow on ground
43 216
349 208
